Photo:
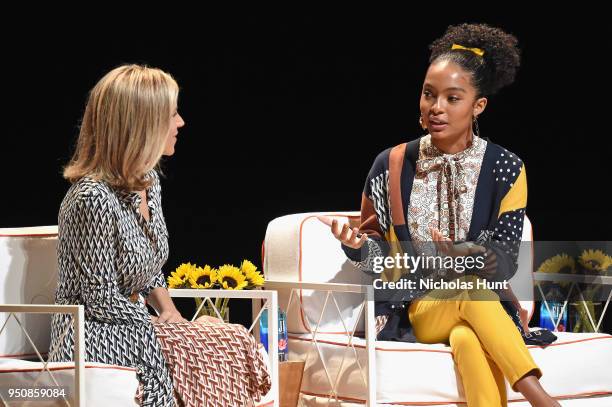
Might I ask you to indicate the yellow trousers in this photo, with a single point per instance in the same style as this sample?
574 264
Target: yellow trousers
485 343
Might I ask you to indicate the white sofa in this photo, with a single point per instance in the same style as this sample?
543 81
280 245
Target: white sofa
304 262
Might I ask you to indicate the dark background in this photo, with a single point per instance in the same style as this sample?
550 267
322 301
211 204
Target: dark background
285 114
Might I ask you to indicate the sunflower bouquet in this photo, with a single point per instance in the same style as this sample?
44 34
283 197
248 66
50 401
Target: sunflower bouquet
589 262
226 277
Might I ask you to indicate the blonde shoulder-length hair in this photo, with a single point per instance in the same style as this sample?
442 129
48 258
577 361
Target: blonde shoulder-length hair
124 127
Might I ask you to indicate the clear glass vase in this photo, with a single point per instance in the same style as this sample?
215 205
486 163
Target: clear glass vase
579 318
207 309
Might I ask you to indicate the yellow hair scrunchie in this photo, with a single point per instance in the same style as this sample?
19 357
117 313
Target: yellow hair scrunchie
476 51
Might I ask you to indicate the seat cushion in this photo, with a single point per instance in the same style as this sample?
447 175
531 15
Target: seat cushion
105 385
576 365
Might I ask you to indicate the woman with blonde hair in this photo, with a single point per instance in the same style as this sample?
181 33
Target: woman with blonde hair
113 239
113 242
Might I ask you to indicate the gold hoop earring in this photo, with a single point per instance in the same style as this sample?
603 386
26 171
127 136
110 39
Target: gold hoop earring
476 127
421 123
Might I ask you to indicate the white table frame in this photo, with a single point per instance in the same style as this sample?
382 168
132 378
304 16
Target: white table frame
368 372
270 299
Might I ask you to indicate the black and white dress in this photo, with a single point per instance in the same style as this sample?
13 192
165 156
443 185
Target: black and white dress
109 259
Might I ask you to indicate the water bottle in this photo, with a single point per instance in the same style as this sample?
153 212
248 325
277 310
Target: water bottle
283 340
283 350
263 329
546 318
556 305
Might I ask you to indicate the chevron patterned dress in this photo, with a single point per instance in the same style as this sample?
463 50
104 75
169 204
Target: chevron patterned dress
110 258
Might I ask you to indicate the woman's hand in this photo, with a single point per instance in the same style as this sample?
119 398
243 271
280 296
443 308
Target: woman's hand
490 266
170 317
349 237
207 319
447 247
524 315
163 304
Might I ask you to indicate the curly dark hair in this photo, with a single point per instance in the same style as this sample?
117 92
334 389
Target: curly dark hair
491 72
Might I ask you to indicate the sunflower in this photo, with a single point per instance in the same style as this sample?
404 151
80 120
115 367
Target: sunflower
230 278
179 277
203 277
247 267
254 277
595 260
561 263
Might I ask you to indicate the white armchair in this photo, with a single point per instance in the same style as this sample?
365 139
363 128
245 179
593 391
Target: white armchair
28 278
328 313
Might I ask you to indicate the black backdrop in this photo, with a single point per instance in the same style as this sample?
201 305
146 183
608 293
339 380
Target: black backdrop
286 114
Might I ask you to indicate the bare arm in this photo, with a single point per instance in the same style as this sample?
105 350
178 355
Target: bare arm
160 299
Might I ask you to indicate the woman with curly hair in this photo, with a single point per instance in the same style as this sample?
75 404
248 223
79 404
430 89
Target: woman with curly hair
453 186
